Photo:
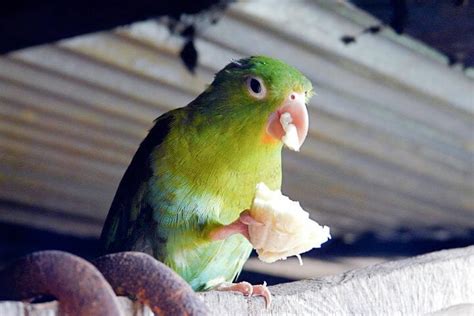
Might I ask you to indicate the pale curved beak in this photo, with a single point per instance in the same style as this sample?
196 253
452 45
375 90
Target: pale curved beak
294 104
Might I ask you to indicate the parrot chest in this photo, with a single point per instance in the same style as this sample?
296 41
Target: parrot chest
196 194
204 190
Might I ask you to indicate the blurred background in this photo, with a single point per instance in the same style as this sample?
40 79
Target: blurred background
388 163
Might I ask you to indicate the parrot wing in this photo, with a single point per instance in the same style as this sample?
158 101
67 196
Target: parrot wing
129 220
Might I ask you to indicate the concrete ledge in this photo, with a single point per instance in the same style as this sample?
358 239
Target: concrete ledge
417 285
438 283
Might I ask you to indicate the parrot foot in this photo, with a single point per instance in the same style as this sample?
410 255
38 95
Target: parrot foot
248 289
242 287
240 226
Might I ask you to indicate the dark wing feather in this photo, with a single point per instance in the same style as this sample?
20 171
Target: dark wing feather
129 217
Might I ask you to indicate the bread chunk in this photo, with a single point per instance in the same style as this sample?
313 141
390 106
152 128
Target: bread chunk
285 229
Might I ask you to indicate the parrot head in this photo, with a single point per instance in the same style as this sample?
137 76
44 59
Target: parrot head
256 92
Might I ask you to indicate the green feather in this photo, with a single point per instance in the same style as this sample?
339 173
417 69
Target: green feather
197 170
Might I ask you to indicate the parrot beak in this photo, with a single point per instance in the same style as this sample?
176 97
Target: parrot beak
289 123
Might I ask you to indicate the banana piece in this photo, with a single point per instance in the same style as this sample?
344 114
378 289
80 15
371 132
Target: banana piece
290 139
285 229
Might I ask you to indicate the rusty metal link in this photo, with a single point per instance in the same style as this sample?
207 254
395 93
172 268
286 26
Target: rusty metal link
151 282
79 287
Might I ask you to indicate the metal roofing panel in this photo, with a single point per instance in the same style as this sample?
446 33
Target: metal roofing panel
390 143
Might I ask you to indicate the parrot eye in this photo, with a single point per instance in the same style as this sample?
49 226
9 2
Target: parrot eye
256 87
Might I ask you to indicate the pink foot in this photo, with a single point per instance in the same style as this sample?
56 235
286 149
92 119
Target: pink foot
248 289
242 287
240 226
262 290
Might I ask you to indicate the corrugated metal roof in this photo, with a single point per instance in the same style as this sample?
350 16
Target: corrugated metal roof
391 140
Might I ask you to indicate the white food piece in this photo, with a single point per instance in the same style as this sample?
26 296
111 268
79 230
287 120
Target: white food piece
285 230
290 139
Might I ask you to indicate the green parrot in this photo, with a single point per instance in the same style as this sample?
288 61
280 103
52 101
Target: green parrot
184 197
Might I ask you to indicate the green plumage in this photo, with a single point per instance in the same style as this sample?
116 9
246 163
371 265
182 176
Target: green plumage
197 170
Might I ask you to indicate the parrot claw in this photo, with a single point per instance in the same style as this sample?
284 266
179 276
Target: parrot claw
248 289
240 226
262 290
242 287
247 219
